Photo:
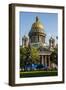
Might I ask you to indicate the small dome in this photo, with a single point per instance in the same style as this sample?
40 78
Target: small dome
37 24
25 37
51 39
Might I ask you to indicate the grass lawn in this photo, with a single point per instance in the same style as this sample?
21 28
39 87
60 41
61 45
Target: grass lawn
38 73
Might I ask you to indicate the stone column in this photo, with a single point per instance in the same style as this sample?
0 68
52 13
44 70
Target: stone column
38 38
42 60
49 61
46 60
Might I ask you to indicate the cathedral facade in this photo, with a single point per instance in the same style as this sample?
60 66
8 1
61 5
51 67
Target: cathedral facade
36 38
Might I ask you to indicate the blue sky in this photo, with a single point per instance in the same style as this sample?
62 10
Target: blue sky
49 20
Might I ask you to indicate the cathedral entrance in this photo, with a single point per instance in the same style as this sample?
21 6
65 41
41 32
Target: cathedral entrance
45 60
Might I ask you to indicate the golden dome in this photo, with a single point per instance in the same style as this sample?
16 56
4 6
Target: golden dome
37 25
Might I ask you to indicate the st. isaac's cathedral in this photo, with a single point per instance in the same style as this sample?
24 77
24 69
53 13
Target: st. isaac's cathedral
36 38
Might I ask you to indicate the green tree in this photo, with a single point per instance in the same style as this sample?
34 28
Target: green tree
28 56
22 56
54 56
35 55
